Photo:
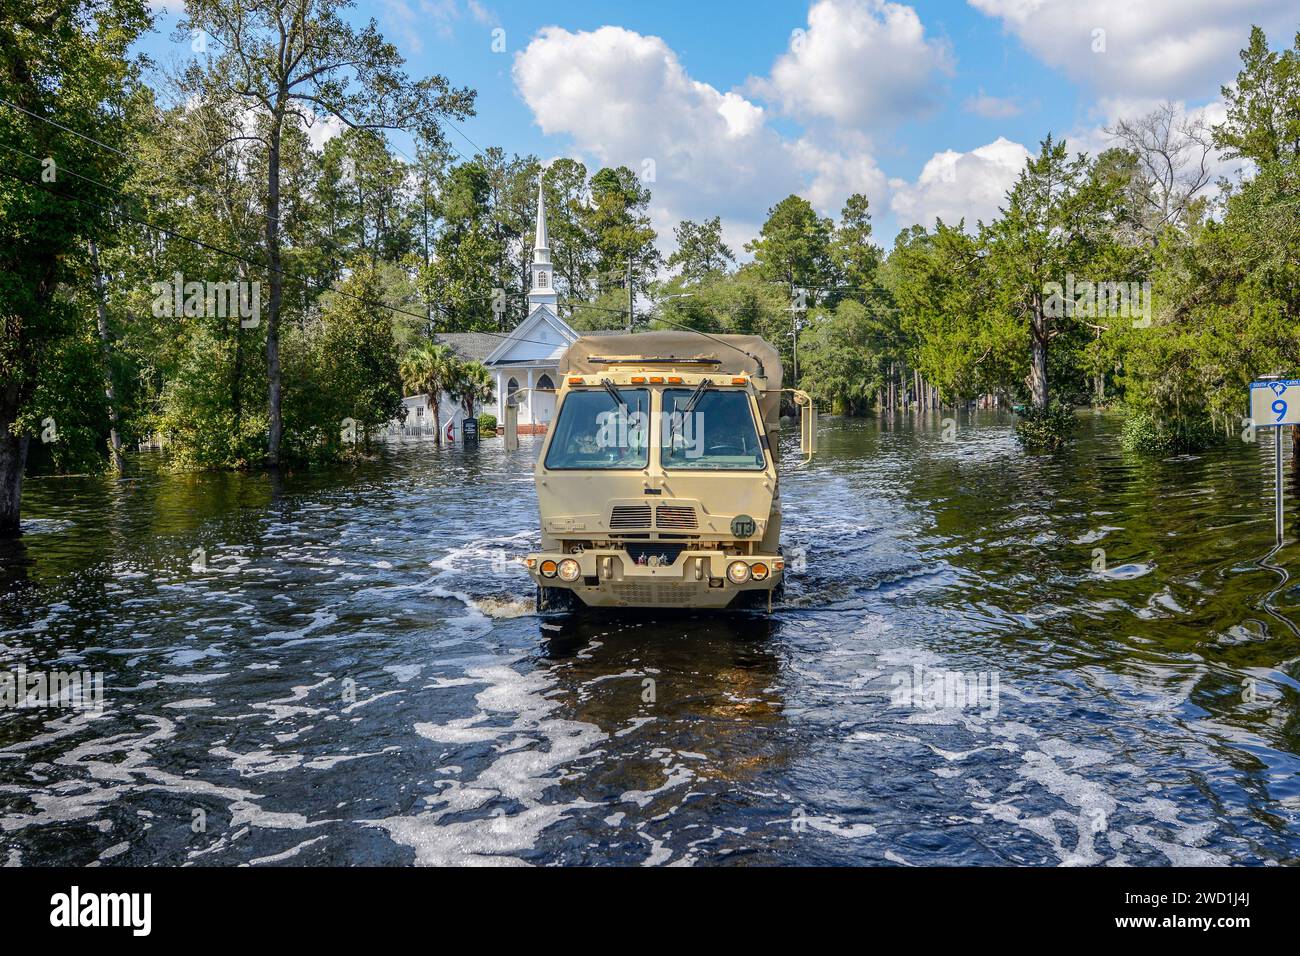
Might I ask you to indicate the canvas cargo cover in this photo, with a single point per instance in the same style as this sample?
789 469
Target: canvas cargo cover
740 358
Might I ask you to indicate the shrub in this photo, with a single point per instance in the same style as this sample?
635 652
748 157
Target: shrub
1144 432
487 425
1045 429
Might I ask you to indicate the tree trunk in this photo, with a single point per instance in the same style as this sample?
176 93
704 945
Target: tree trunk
13 461
106 353
435 412
1038 361
275 429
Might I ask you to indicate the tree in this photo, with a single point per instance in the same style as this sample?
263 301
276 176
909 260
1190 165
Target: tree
474 385
1170 157
1055 217
856 258
701 254
1263 106
358 372
619 225
67 62
572 252
297 60
793 247
430 369
460 279
840 359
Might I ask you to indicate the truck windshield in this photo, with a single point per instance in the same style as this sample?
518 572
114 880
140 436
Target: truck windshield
593 431
718 433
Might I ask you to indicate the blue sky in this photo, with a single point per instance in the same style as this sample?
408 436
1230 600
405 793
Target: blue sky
726 107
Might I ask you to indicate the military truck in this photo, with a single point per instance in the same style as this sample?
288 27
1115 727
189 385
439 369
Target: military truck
657 482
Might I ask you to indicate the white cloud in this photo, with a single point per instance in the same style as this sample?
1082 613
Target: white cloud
625 98
322 130
992 107
1160 48
858 62
955 186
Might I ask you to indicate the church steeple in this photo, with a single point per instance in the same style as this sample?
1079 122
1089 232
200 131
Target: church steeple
543 290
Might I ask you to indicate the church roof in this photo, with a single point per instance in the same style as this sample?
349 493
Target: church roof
475 346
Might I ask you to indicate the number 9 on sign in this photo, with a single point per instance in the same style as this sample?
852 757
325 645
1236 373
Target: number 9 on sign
1279 408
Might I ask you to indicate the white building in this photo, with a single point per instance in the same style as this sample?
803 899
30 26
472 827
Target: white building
522 360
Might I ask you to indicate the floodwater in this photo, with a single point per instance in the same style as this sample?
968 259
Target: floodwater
989 658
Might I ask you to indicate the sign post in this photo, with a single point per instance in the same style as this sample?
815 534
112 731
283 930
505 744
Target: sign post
1275 403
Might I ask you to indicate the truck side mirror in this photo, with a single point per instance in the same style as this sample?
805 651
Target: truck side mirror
512 427
807 426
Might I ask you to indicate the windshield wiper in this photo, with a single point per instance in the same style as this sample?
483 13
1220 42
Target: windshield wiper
613 392
696 396
683 413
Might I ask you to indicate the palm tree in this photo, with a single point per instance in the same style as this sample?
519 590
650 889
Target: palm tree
474 385
430 369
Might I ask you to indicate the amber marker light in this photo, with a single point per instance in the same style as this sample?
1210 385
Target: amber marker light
758 571
548 569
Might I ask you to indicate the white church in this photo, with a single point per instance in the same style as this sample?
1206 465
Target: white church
523 360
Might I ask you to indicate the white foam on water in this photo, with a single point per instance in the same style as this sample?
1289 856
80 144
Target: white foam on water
513 708
287 854
404 672
836 826
677 776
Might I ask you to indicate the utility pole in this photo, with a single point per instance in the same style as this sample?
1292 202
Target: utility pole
630 295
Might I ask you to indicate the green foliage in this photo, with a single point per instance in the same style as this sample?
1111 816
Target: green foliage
701 254
794 245
68 395
200 420
70 59
840 367
487 425
349 371
1144 432
1045 429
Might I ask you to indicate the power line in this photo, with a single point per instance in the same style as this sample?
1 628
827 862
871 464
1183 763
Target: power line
66 129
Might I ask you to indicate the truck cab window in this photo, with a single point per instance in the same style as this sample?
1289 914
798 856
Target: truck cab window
719 433
593 431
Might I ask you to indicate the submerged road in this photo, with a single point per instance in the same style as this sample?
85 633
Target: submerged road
986 658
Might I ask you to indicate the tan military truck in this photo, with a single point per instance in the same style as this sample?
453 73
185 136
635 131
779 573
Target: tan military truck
657 482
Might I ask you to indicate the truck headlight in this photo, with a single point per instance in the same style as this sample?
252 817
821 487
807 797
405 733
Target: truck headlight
569 570
758 571
548 569
738 572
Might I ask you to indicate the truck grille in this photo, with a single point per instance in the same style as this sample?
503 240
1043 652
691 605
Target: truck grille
624 517
679 517
644 594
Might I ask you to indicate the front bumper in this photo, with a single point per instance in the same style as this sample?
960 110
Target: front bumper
696 579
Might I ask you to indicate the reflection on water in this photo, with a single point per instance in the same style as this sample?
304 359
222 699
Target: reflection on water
344 667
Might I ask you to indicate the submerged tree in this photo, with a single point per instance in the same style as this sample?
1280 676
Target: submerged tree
64 65
300 61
